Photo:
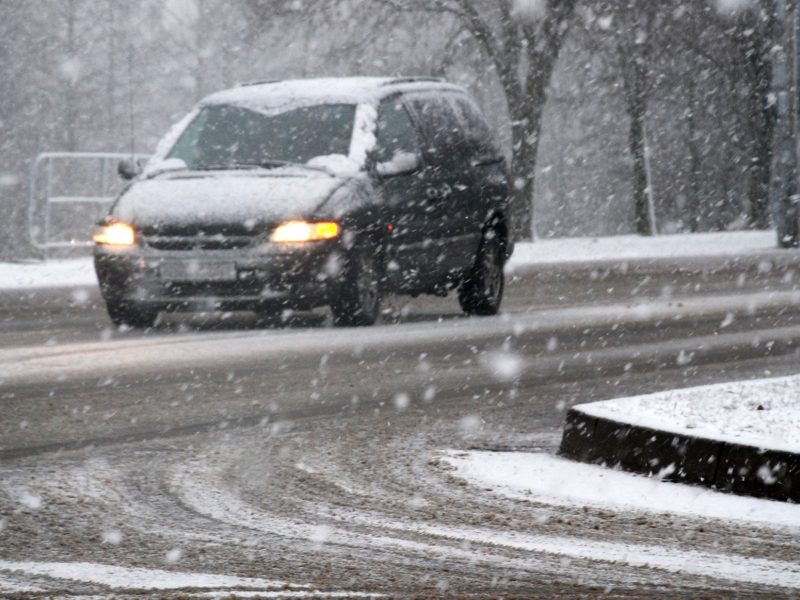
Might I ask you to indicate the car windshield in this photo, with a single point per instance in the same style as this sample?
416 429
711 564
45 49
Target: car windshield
231 136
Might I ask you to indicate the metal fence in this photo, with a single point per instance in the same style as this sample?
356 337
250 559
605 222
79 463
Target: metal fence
68 192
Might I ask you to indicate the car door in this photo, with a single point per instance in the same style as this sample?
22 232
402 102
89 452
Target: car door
486 164
448 183
410 253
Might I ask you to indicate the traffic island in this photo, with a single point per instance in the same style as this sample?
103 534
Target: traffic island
741 437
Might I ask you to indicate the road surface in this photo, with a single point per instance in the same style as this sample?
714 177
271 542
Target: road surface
307 455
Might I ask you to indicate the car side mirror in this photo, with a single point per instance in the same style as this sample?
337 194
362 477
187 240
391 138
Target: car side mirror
402 163
128 168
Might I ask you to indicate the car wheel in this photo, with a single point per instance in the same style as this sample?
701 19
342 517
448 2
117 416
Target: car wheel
358 300
131 314
481 292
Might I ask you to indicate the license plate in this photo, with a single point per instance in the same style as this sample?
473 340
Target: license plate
198 271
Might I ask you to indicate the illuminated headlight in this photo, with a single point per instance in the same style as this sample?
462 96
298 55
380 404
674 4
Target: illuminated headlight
303 231
115 234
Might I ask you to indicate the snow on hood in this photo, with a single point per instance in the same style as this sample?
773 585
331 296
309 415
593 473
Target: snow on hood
225 197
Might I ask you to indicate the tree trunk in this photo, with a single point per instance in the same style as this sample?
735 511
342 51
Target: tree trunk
636 146
525 137
693 201
762 128
526 107
755 43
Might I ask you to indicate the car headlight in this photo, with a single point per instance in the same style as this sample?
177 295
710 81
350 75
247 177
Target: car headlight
303 231
115 234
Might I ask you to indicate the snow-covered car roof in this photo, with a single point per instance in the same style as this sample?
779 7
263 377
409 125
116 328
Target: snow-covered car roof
276 95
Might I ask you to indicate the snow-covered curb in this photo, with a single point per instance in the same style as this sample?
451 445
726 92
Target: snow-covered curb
539 477
624 248
742 437
764 413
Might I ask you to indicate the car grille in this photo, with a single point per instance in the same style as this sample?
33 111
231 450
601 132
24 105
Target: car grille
177 243
205 237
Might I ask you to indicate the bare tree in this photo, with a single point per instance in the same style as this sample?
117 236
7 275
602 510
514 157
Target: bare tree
630 27
635 48
746 34
753 34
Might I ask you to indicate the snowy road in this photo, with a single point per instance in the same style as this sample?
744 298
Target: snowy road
307 461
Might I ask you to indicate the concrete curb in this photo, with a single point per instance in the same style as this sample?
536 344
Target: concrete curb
724 466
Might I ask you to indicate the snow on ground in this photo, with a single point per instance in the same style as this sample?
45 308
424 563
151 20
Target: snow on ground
12 586
554 480
80 273
199 487
763 413
630 247
130 578
138 578
76 272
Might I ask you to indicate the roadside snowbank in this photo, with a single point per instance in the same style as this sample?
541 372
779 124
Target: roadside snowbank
630 247
80 273
558 481
77 272
136 579
139 578
763 413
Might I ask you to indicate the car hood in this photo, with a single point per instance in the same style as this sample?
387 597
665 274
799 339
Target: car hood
222 198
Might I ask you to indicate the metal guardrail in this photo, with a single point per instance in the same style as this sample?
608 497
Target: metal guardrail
42 196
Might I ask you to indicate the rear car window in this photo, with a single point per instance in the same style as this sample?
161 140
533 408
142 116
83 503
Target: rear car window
479 135
396 132
441 125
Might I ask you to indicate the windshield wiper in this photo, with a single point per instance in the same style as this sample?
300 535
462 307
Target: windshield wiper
275 163
227 167
267 164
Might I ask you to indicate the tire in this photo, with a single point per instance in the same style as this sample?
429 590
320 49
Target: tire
358 301
131 314
481 291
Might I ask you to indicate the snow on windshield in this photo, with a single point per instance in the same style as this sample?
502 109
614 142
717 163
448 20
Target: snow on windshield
230 136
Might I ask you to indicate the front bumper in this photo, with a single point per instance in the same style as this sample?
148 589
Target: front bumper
300 276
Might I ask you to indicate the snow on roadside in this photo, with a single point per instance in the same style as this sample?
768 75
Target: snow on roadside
630 247
141 579
14 586
80 272
76 272
763 413
539 477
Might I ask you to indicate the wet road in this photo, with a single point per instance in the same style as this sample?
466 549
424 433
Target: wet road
309 455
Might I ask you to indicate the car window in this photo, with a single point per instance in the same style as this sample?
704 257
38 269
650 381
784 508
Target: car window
396 132
444 138
230 135
479 135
